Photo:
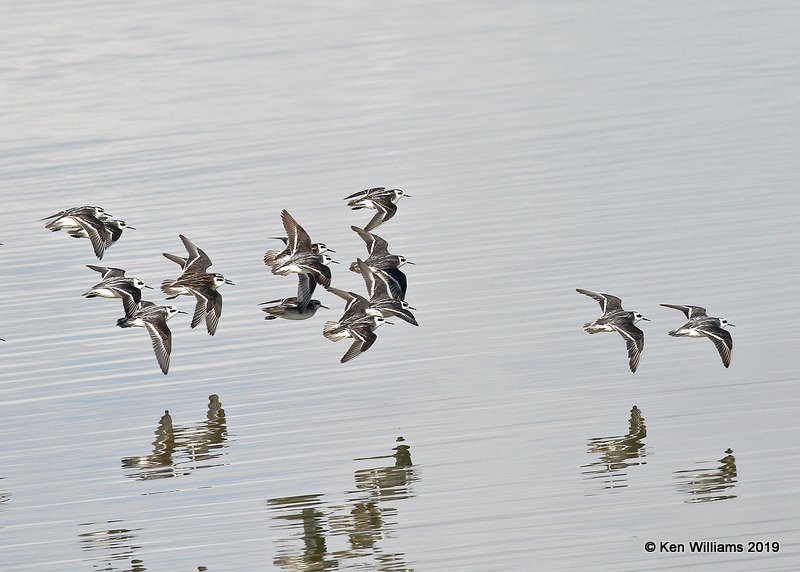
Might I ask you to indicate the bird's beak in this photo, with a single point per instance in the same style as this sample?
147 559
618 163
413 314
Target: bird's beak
732 325
409 262
646 319
181 312
229 282
334 262
146 286
322 306
331 250
388 322
129 227
412 308
405 195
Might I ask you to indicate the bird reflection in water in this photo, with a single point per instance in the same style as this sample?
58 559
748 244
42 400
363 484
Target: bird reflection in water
349 534
307 513
112 548
703 484
179 450
617 453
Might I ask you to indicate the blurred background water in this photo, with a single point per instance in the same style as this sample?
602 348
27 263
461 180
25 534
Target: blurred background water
646 150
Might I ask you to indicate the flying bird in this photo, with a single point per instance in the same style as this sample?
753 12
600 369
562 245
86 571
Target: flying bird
82 222
615 319
378 250
110 233
303 258
195 281
382 302
360 329
154 319
380 199
288 309
700 325
116 285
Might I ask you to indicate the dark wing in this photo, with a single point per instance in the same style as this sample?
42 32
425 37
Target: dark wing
356 304
209 306
59 214
131 296
176 259
213 311
689 311
395 309
347 198
299 241
376 246
396 281
305 288
96 233
370 280
199 308
385 286
607 302
721 339
198 260
320 272
161 337
386 210
282 301
634 340
366 192
107 272
129 305
114 232
363 338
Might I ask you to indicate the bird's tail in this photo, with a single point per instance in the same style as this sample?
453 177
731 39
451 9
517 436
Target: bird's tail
270 256
334 331
272 312
590 328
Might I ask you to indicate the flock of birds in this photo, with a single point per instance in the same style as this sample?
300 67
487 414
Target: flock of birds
699 325
386 284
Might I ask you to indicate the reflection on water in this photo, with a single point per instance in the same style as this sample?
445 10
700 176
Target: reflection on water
114 549
617 453
178 450
707 485
359 525
308 514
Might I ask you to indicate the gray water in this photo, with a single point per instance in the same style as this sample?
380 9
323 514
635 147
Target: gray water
646 150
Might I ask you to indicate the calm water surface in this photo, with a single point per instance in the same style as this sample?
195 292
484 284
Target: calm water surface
647 151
